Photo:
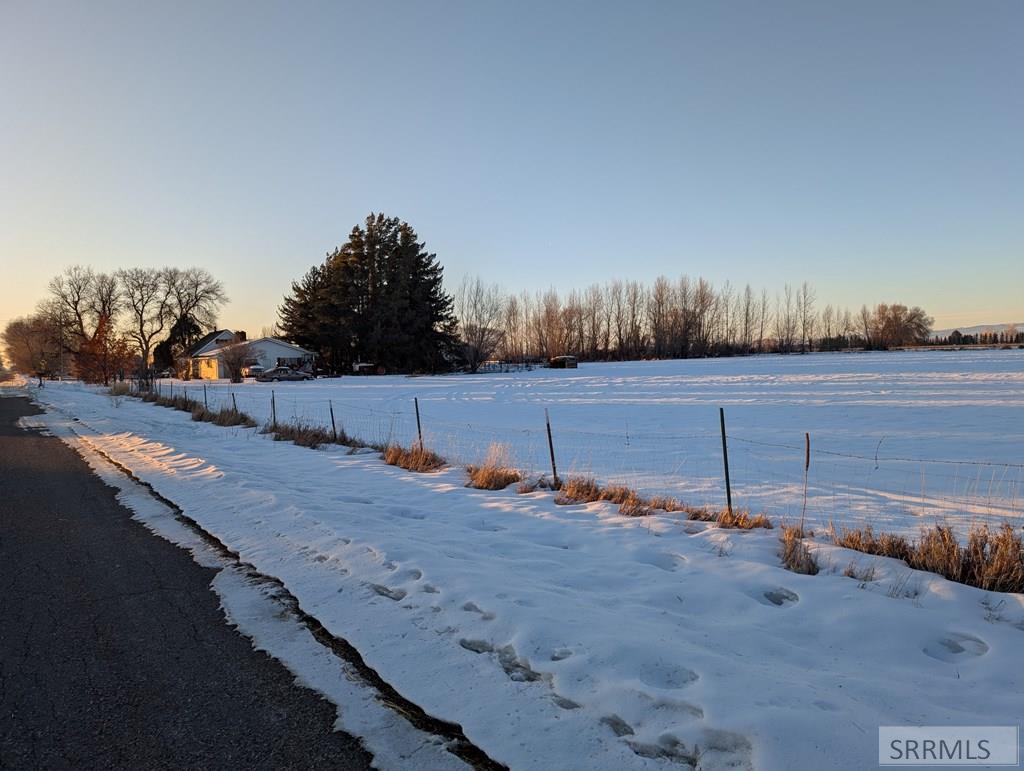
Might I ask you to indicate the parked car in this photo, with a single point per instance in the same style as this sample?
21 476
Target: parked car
282 374
254 370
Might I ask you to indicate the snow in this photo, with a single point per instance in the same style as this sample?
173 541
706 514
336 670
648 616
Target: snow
934 436
574 638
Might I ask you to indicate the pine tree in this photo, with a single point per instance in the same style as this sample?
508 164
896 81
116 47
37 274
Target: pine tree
377 298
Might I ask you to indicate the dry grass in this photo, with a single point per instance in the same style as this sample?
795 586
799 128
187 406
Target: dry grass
578 490
532 485
413 458
736 520
865 574
992 560
865 540
180 402
302 434
634 506
664 503
496 473
229 417
796 556
528 486
222 417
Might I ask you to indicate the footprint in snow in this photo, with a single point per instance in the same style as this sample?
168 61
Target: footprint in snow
564 703
391 594
472 607
619 726
404 513
668 676
956 647
779 597
667 562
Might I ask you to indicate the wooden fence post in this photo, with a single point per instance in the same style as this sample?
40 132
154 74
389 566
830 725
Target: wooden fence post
551 449
725 459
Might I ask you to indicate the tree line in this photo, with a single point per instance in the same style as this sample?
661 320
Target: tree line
99 326
682 318
379 299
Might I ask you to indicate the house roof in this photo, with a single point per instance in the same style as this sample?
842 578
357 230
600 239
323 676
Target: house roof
196 348
255 343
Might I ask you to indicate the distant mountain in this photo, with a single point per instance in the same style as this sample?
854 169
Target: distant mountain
978 329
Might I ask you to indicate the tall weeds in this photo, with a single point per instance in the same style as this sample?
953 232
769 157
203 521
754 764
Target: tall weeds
796 555
992 560
415 458
496 473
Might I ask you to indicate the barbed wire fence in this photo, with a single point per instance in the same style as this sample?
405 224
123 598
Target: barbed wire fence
891 492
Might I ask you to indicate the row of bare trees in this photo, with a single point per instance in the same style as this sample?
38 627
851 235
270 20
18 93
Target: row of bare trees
97 325
684 318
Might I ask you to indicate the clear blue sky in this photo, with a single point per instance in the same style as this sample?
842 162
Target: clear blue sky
875 149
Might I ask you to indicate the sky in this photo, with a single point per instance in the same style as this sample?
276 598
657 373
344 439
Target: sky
874 149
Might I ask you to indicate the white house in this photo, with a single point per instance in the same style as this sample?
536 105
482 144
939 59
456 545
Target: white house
267 352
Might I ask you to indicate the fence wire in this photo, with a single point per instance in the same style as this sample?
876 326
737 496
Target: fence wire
875 483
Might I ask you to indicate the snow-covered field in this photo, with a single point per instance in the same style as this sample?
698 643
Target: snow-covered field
897 439
570 637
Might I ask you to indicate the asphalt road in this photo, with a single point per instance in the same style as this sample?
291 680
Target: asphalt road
113 650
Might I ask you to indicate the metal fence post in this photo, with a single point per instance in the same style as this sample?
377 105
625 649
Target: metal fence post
419 428
725 459
551 449
334 428
807 469
273 411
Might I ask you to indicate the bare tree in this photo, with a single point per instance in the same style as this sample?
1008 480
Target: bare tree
236 358
32 347
513 347
748 311
84 298
762 319
147 298
866 325
805 311
786 320
594 327
479 308
828 327
196 296
659 314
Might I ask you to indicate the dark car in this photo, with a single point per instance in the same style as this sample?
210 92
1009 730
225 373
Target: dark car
281 374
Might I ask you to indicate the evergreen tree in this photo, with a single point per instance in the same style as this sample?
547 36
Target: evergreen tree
377 298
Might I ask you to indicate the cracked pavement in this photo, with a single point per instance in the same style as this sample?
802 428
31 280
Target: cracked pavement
114 652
